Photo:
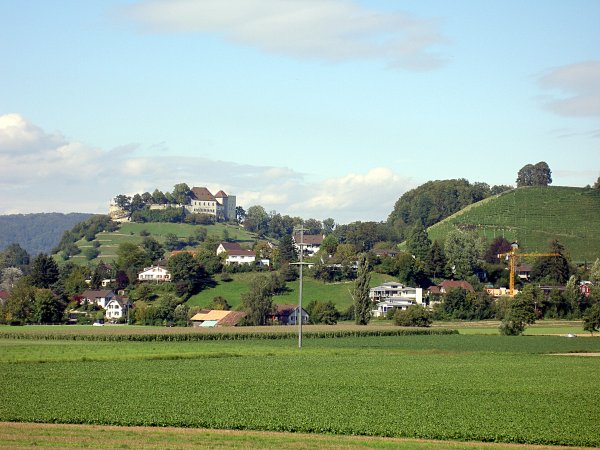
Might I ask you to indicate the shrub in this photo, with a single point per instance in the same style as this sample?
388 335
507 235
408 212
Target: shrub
413 316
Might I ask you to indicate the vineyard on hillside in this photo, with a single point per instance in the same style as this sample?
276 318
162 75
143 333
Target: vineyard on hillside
533 216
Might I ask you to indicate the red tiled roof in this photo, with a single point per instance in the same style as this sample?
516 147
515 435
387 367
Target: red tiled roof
232 319
310 239
220 194
201 193
4 295
452 284
102 293
231 246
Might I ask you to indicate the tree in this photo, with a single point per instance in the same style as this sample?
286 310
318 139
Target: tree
47 307
240 214
322 312
172 242
413 316
328 225
258 301
418 242
10 276
555 269
462 251
534 175
436 260
153 248
181 193
131 258
498 245
596 184
257 220
186 272
362 302
595 271
44 271
520 311
14 256
591 318
219 303
159 198
137 203
20 303
329 244
123 202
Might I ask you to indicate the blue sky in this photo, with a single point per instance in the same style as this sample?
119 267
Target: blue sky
312 108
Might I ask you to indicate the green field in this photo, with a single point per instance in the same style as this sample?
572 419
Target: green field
452 387
534 216
338 293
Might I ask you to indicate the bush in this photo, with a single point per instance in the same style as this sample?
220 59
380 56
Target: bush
414 316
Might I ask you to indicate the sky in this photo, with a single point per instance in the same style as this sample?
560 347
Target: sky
311 108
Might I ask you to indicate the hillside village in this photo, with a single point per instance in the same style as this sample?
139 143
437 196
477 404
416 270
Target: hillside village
135 266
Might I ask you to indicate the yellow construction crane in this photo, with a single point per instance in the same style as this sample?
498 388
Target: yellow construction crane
512 257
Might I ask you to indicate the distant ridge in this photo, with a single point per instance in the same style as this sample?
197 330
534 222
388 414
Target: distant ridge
533 216
38 232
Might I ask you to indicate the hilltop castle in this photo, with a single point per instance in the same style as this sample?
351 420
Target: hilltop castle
200 201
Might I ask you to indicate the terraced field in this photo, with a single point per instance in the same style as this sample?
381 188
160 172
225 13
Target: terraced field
533 216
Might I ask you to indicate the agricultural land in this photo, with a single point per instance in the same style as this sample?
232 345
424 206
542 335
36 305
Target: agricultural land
457 387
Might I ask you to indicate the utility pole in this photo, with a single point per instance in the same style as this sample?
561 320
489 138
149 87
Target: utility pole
300 229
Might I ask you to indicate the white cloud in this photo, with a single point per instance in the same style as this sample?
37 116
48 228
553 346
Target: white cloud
576 89
331 30
42 172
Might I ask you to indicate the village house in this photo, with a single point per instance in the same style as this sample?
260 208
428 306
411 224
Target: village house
288 315
154 273
311 243
117 308
99 297
234 253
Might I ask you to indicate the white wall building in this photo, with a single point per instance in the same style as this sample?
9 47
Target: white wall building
396 291
235 253
154 273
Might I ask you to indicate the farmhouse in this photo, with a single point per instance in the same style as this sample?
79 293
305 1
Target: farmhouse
217 317
236 254
288 315
154 273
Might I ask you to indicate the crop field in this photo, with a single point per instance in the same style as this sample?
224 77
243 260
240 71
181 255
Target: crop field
446 387
534 216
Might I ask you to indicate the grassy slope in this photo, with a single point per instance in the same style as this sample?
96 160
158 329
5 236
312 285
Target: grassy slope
534 216
312 289
130 232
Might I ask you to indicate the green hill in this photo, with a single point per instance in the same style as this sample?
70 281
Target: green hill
132 232
533 216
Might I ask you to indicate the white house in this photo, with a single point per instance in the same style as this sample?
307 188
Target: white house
117 308
154 273
311 243
98 297
399 303
396 291
236 254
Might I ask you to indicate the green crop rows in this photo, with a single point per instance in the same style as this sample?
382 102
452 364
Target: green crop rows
485 388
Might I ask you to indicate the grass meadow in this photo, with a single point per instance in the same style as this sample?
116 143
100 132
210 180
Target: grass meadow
461 387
